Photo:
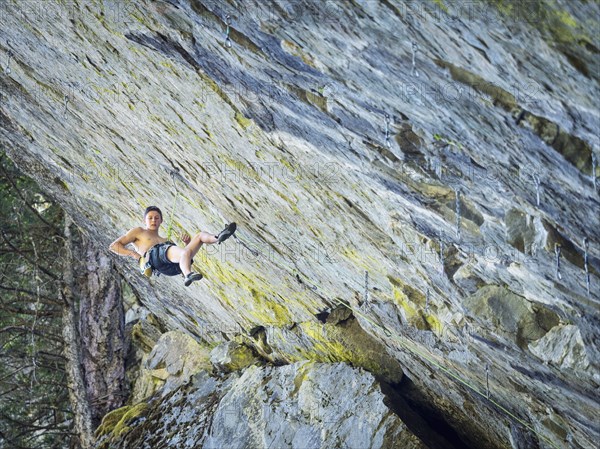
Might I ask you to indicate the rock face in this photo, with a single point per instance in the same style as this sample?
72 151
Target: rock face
520 321
562 347
174 359
427 166
303 405
231 356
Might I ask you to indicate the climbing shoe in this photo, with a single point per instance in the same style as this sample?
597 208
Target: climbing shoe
226 233
145 267
192 277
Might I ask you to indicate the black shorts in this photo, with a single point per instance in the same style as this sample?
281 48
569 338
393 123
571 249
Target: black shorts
157 256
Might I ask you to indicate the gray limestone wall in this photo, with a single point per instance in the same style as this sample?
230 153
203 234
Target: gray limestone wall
429 166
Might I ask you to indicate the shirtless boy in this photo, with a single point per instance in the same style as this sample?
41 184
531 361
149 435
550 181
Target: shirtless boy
161 255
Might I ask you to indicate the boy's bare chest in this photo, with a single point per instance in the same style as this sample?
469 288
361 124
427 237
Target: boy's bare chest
145 241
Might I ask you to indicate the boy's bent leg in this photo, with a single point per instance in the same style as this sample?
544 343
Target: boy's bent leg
207 237
199 239
182 256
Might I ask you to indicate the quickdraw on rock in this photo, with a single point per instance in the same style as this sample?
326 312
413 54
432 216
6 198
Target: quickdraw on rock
9 55
227 31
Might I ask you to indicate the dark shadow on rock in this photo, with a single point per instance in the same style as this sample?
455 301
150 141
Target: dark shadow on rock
423 419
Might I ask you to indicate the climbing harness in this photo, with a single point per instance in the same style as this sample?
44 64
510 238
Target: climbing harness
145 267
402 341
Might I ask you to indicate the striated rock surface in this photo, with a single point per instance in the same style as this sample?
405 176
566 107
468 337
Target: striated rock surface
428 165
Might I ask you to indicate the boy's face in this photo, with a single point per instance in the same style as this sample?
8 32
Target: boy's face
152 220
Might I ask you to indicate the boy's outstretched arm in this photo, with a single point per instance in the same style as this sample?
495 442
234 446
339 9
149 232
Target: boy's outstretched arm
118 246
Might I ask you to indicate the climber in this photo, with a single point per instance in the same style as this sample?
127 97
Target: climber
161 256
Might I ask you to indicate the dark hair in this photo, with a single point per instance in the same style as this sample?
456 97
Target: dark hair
152 208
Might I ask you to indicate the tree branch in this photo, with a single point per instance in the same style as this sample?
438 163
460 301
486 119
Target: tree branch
28 259
27 331
32 209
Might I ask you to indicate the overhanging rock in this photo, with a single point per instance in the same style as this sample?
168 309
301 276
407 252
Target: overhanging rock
398 160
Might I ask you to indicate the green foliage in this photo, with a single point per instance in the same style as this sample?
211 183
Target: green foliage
34 406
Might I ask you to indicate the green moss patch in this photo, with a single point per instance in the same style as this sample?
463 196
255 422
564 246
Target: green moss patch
115 423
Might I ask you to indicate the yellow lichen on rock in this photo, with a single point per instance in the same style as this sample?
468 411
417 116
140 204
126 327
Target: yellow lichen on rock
242 121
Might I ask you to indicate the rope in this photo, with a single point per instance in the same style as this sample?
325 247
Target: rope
454 376
170 227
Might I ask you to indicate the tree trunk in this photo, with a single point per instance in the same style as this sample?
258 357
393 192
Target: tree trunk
77 389
100 326
102 331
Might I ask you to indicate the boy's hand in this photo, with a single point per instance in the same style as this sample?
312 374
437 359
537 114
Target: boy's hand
135 255
185 238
